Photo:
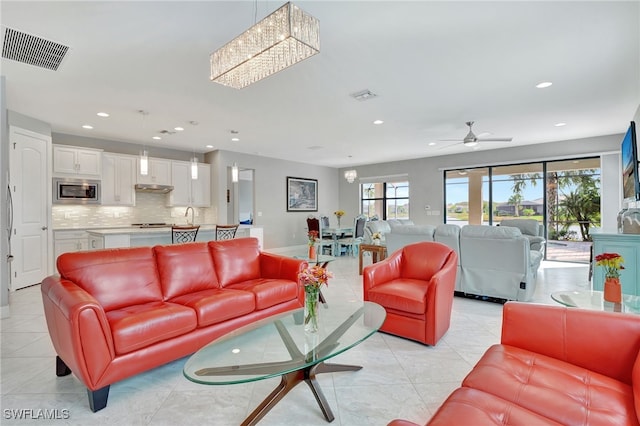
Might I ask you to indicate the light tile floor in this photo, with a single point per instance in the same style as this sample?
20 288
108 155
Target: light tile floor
400 378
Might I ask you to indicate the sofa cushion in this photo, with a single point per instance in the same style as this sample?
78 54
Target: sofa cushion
406 295
116 278
216 305
467 406
138 326
555 389
185 268
381 226
395 223
526 226
484 231
426 230
236 260
268 292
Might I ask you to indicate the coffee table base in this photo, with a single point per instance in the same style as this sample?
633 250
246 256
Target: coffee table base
291 380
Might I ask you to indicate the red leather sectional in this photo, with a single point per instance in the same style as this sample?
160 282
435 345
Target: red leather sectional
554 366
115 313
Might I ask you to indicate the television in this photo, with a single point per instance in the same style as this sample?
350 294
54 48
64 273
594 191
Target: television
630 177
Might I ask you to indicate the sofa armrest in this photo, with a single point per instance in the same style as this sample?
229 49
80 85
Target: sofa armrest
278 266
381 272
79 329
604 342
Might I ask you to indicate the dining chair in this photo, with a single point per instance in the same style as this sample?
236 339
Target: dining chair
314 224
184 234
352 244
226 232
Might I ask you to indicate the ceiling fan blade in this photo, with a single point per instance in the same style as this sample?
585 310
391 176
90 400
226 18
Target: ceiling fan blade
450 140
496 140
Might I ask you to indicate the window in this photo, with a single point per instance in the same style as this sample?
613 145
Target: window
563 195
385 200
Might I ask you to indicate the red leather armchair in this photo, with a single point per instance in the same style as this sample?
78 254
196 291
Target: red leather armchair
415 285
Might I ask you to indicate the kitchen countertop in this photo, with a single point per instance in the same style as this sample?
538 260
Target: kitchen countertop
155 230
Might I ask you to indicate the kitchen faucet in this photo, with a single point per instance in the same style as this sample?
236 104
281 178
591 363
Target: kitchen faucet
192 214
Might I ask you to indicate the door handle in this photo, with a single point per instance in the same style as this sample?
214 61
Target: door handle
44 228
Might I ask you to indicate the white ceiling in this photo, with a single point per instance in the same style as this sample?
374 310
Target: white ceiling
433 65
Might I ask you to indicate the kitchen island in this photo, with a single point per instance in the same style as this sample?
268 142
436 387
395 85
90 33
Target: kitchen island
136 236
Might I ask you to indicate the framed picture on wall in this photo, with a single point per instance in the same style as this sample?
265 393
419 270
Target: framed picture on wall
302 194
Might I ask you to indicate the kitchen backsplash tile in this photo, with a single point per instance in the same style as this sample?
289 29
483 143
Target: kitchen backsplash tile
149 208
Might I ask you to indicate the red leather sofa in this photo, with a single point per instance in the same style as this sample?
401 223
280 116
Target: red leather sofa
114 313
554 366
415 286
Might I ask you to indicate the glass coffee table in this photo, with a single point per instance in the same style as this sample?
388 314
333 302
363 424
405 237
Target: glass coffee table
594 299
279 346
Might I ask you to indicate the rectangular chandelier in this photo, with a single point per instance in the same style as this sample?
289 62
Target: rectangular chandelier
284 38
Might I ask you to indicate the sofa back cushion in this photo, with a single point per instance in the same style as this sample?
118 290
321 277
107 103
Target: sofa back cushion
115 277
185 268
420 261
236 260
526 226
448 235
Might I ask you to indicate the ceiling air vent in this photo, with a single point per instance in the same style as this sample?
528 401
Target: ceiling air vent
32 50
363 95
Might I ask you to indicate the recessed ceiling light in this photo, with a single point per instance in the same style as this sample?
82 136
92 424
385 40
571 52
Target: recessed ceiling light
544 84
378 122
156 138
102 114
87 126
209 146
560 124
432 143
178 129
235 139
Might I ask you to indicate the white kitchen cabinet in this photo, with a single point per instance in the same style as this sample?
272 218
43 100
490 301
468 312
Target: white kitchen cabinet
187 191
159 172
118 180
181 181
69 241
201 187
70 161
95 242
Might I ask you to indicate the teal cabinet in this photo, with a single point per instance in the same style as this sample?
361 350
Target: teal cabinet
626 245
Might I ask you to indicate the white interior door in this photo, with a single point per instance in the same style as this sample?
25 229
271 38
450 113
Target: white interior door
28 180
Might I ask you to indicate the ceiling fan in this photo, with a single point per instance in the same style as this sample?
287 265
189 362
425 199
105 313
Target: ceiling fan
472 140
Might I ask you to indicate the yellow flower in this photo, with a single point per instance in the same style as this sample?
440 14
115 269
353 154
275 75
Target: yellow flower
339 213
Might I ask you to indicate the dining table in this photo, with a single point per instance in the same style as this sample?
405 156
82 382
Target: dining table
337 233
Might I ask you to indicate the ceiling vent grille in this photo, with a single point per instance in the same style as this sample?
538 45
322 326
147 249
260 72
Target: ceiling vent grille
363 95
32 50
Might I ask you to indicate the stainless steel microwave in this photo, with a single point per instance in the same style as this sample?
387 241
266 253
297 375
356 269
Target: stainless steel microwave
76 191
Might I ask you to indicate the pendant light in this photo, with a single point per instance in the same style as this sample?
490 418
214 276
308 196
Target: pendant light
144 162
194 167
234 173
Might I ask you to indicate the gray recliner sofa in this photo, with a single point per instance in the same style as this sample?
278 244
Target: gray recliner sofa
497 262
531 229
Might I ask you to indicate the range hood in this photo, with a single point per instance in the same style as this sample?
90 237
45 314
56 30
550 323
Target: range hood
150 187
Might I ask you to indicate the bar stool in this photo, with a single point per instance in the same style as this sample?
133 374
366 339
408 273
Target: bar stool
226 232
184 234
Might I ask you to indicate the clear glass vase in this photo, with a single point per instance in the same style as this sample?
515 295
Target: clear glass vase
311 304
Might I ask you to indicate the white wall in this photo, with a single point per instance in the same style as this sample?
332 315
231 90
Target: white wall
426 176
4 170
281 228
